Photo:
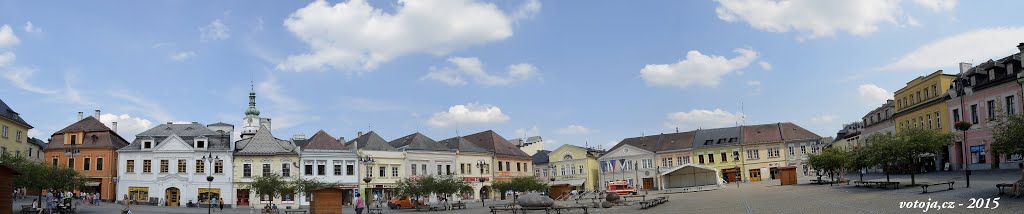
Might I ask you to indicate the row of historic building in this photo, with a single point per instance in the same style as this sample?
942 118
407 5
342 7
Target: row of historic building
748 152
175 163
979 95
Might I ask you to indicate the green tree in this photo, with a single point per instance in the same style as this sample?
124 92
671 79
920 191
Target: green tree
306 186
879 152
272 185
442 186
832 161
909 148
40 176
1009 135
521 184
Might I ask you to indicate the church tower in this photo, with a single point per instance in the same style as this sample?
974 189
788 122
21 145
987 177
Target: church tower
252 120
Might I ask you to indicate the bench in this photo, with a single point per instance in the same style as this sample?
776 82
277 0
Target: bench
374 210
28 209
459 205
426 207
495 210
880 184
294 211
924 187
1002 186
558 210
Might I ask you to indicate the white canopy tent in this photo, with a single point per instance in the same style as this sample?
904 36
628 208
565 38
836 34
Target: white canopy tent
690 175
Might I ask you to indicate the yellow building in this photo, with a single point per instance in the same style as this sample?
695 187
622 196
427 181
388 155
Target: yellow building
762 150
573 167
720 148
13 133
262 155
921 104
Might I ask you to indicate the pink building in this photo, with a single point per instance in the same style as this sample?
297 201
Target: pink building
992 91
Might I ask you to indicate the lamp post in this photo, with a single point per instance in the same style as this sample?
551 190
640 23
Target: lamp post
636 175
482 164
366 161
961 92
211 159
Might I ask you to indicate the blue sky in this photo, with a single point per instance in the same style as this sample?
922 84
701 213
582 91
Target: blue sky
570 71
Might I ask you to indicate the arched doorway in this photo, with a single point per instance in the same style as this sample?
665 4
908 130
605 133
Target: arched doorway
485 192
172 196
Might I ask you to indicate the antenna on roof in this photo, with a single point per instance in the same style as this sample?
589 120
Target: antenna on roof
743 115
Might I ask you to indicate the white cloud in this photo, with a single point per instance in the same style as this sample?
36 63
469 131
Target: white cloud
127 126
216 30
472 113
271 90
873 95
524 133
472 67
372 36
937 5
825 118
182 56
7 37
29 28
765 65
7 58
20 77
574 130
697 69
610 144
700 118
528 10
144 106
912 22
812 18
973 46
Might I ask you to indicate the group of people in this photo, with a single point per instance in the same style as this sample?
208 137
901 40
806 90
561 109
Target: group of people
269 208
64 200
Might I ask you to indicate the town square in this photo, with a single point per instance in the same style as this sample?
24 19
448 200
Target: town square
511 106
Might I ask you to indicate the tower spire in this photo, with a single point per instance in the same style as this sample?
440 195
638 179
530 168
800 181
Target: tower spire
252 101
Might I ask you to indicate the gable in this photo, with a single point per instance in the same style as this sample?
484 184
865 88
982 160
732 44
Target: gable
560 153
626 150
173 144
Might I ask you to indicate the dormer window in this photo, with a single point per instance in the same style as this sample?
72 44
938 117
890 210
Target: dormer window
708 142
147 144
201 144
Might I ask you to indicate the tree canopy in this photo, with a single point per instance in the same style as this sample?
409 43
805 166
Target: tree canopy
1009 135
272 185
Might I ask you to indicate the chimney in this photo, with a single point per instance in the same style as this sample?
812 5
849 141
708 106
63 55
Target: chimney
299 137
359 134
97 114
114 125
80 115
1020 47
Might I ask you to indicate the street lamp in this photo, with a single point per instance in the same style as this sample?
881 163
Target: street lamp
367 160
960 92
211 159
481 164
636 174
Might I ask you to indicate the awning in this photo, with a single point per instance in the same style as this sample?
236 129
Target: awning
573 182
206 190
143 189
92 184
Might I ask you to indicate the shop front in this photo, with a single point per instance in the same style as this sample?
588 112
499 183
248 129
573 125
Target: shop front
138 194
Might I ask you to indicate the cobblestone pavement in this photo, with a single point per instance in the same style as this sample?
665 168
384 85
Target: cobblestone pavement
761 197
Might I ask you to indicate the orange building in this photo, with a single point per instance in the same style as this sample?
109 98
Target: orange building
93 152
510 161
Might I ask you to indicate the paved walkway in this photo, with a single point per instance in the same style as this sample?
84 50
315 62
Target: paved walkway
759 197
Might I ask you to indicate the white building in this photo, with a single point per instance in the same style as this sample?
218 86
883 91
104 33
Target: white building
327 160
425 157
474 165
169 164
531 145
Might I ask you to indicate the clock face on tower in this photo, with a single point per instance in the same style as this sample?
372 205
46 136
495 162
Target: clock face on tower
249 121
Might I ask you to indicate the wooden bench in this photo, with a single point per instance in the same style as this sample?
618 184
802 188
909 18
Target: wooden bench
294 211
524 209
426 207
28 209
1003 186
459 205
374 210
924 187
558 210
495 210
880 184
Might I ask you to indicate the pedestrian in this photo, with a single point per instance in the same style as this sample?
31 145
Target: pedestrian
96 199
220 203
126 206
214 201
359 204
1018 187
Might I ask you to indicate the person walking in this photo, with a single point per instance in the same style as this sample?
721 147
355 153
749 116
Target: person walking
126 205
1018 187
213 202
359 204
96 199
220 203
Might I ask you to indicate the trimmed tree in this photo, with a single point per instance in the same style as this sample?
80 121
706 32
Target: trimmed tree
40 176
271 185
521 184
307 186
1009 135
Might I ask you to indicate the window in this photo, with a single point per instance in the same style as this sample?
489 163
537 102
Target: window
181 166
394 171
218 167
803 150
499 166
129 166
85 165
711 158
309 169
938 121
266 169
1014 158
201 144
200 167
55 161
462 169
321 169
1010 107
772 153
438 169
423 170
17 137
814 149
669 164
926 94
287 196
580 167
700 159
919 98
791 153
74 138
99 164
735 155
164 168
369 171
974 114
977 154
956 115
147 166
684 159
413 169
5 132
724 158
448 169
337 168
507 168
935 90
286 170
145 144
709 142
518 168
929 121
753 154
382 172
350 167
991 104
30 152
